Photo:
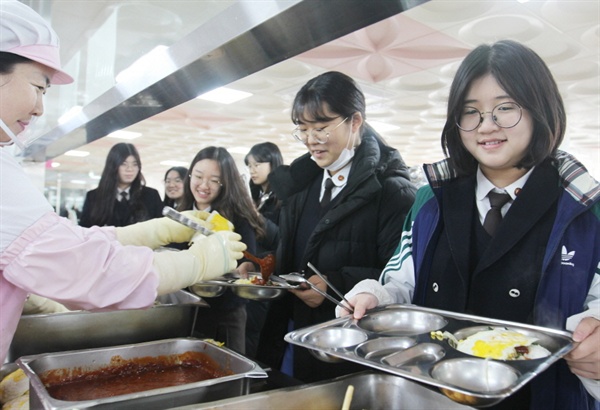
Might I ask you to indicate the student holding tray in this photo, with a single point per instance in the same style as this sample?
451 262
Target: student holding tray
538 259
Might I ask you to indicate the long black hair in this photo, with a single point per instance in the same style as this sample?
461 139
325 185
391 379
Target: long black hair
266 152
182 172
528 80
233 200
107 188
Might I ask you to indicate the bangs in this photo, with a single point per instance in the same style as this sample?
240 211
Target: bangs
309 108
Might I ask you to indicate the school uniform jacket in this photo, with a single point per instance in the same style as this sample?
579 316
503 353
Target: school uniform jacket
495 285
149 207
355 238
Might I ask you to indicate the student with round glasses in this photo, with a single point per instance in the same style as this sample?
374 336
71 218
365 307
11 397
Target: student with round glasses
534 259
174 178
348 234
215 184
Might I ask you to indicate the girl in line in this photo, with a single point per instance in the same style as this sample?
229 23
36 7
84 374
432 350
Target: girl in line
343 204
121 198
262 159
174 178
215 184
541 265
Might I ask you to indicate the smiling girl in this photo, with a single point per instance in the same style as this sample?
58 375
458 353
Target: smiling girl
349 235
541 265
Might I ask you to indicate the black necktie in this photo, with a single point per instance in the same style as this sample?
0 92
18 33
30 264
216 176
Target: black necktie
124 197
327 194
494 216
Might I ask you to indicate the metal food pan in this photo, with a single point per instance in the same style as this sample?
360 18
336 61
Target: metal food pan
90 359
372 390
399 341
173 315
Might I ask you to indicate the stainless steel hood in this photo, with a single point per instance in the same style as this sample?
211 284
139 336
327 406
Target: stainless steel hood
245 38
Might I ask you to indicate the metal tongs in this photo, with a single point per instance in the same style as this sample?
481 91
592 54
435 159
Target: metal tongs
182 219
298 278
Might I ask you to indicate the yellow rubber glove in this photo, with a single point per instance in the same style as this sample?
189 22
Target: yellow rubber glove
12 386
160 231
37 305
217 222
208 258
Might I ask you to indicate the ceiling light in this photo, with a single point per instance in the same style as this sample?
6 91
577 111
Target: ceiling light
383 127
224 95
78 182
54 164
75 153
170 163
124 135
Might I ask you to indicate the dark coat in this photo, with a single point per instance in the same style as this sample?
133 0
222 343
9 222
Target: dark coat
149 206
354 239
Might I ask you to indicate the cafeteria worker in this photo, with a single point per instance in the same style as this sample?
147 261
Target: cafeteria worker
41 253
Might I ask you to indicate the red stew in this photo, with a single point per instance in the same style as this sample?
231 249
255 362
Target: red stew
130 376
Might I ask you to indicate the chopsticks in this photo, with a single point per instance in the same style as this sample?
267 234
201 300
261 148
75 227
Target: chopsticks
349 308
348 397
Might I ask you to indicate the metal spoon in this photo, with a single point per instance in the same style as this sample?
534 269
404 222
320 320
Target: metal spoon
297 278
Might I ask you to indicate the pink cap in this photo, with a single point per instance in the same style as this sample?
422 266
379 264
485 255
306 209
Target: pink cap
26 33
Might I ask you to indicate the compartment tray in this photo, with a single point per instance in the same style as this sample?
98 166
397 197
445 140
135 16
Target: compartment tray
417 361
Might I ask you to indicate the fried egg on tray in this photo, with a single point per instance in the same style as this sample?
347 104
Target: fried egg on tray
502 344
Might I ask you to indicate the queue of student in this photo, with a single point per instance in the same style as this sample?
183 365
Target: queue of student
347 206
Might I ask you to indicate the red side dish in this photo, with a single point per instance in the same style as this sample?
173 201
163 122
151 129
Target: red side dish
131 376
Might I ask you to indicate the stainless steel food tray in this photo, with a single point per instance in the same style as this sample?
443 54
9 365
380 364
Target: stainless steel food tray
173 315
397 339
234 385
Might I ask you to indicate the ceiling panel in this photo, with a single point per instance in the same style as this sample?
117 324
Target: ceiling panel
404 65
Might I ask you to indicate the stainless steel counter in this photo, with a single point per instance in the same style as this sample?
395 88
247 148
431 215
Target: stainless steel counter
372 391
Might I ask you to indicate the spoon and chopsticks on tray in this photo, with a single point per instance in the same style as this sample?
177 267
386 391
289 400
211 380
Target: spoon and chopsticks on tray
298 279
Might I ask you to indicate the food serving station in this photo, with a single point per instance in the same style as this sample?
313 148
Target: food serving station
91 341
409 366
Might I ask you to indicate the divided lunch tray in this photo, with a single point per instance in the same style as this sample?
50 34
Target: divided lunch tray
397 339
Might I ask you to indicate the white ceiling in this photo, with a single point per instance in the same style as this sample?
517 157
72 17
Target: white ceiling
404 65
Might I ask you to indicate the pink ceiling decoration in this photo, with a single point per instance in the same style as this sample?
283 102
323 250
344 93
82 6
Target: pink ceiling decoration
390 49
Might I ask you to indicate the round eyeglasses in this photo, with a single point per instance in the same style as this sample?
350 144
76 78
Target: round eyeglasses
213 183
321 135
505 115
